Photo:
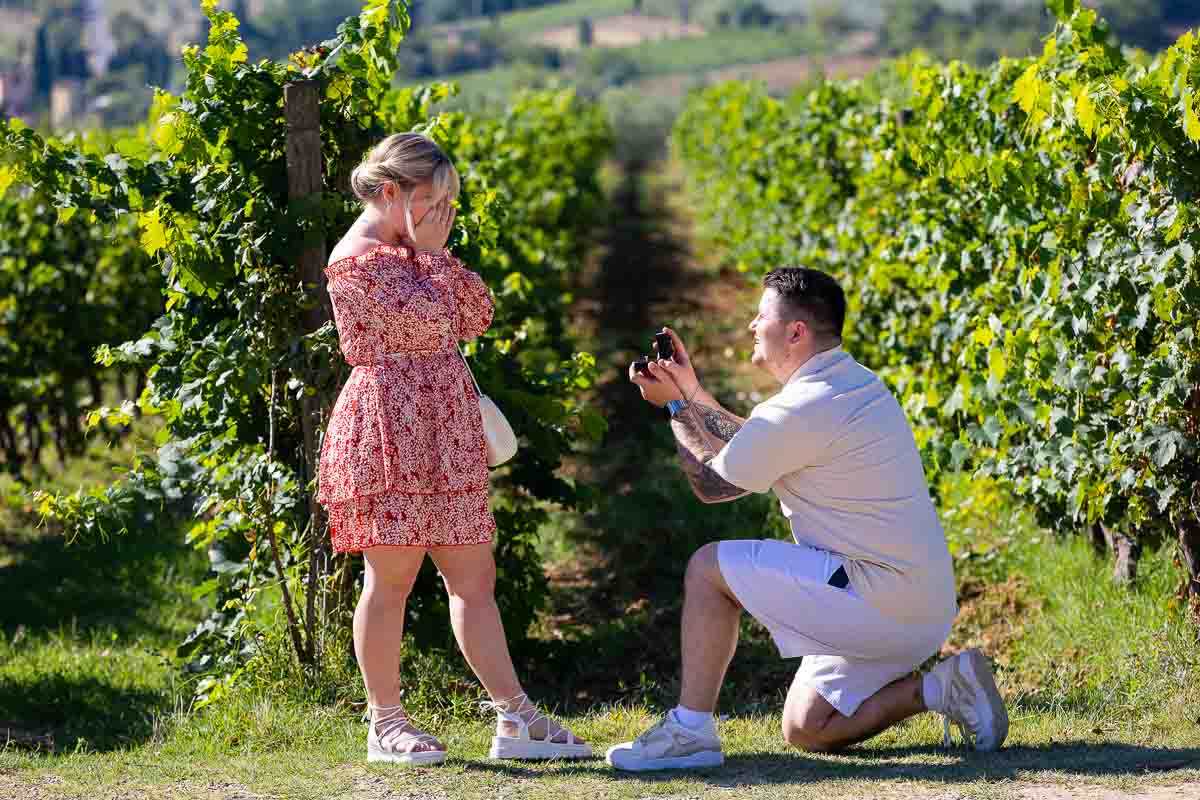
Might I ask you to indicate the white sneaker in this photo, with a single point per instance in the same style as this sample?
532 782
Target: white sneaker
971 700
668 745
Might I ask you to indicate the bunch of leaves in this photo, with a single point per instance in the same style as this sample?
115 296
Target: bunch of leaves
69 282
1018 244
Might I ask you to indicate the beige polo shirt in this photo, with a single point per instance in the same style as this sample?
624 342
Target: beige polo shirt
835 447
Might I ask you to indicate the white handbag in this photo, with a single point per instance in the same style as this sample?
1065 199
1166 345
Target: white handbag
497 433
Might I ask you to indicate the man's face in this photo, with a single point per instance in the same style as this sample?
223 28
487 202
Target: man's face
773 331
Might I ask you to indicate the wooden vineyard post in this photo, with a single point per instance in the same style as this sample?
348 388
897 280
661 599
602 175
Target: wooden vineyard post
1099 539
302 111
1126 549
1188 529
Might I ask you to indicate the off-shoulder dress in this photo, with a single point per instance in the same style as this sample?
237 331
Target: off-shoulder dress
404 461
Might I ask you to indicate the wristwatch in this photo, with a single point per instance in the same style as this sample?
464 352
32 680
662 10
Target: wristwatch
675 406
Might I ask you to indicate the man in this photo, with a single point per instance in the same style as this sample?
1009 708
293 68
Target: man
865 594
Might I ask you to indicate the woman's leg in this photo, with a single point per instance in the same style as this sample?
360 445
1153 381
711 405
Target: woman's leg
470 575
378 630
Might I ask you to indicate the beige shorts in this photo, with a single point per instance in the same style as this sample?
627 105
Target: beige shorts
850 649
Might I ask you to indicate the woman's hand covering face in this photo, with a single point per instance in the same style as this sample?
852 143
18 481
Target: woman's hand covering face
432 228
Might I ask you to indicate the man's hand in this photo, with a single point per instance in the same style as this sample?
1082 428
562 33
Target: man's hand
679 369
657 387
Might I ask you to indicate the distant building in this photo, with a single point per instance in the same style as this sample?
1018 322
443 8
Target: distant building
66 101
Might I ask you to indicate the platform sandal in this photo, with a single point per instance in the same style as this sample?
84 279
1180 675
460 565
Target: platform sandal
522 746
394 746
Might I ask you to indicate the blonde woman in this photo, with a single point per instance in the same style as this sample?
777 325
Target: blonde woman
403 468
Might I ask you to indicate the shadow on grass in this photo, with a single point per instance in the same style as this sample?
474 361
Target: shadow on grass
68 708
612 664
129 583
1067 760
75 626
1062 760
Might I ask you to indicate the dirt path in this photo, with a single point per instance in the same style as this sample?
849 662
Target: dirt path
650 271
373 786
644 275
617 584
616 588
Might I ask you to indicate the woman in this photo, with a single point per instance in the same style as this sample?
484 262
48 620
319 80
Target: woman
403 469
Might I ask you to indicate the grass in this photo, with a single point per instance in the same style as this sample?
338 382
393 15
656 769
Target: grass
255 748
532 21
87 629
1071 643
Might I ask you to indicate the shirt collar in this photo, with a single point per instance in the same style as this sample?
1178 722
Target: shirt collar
816 363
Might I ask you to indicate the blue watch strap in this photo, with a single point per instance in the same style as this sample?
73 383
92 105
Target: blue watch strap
675 406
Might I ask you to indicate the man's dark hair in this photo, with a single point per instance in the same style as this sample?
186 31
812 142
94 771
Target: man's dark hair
812 296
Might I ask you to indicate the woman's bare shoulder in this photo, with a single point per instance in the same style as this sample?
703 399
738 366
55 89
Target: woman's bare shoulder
351 247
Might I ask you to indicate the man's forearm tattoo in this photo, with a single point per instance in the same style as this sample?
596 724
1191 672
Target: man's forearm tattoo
707 484
719 424
700 432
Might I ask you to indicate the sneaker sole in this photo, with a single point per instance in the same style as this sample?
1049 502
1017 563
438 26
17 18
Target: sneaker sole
422 758
701 760
981 671
504 747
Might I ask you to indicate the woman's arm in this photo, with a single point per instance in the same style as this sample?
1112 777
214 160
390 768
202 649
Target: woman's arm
473 302
354 312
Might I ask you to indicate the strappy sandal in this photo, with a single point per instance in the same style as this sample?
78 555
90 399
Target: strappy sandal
522 746
395 750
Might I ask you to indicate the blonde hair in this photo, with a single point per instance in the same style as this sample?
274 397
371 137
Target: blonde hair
406 159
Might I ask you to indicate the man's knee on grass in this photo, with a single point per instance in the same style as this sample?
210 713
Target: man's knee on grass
806 721
810 736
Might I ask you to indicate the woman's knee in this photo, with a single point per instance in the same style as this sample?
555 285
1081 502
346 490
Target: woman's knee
388 585
389 591
472 586
469 573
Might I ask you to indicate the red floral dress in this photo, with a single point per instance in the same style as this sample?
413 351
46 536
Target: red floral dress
404 460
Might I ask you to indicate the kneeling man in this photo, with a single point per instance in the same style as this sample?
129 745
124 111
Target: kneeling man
866 592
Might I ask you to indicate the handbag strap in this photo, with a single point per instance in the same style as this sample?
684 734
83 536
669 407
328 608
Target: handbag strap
470 372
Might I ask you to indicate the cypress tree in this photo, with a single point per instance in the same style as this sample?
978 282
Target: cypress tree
43 65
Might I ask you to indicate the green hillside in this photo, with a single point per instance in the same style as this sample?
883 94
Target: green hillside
590 42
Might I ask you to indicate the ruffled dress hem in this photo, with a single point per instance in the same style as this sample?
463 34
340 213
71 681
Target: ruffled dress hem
399 519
